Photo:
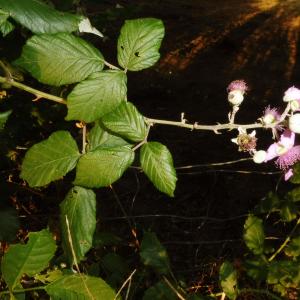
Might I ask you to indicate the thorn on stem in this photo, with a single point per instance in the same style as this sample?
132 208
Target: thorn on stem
37 98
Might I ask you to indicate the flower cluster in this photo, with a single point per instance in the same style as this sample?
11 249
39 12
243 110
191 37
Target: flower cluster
283 149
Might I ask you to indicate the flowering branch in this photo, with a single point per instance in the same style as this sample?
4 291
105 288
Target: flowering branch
215 128
289 121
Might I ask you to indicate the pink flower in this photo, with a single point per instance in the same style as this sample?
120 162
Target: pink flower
291 94
271 116
287 153
239 85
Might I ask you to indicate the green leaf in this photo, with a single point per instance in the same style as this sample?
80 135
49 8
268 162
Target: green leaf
59 59
296 174
28 259
293 248
153 254
3 118
6 27
40 18
79 207
228 280
139 43
157 163
98 137
284 275
101 93
70 287
294 194
49 276
288 210
103 166
159 291
257 269
127 122
254 235
50 160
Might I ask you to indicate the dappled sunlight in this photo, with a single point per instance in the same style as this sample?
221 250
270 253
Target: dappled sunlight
259 48
264 4
282 20
182 57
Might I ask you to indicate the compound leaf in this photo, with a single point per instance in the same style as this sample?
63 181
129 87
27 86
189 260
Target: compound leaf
28 259
157 163
39 17
127 122
103 166
139 42
228 279
83 287
50 160
293 248
99 94
58 59
79 210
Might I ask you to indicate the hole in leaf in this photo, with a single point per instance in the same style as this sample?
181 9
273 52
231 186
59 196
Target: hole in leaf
137 54
122 47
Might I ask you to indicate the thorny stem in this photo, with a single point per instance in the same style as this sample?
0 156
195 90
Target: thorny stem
196 126
215 128
84 143
111 66
23 290
39 94
288 238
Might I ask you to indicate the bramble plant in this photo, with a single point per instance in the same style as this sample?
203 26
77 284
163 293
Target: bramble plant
113 132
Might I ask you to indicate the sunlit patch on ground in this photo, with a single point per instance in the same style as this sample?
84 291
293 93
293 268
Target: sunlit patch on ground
264 4
281 22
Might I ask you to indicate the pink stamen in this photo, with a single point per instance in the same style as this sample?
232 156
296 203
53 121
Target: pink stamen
286 160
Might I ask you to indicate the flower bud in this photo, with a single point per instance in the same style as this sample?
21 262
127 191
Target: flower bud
294 123
268 119
295 105
259 156
291 94
235 97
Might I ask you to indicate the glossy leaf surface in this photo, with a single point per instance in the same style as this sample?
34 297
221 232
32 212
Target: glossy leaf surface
58 59
50 160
